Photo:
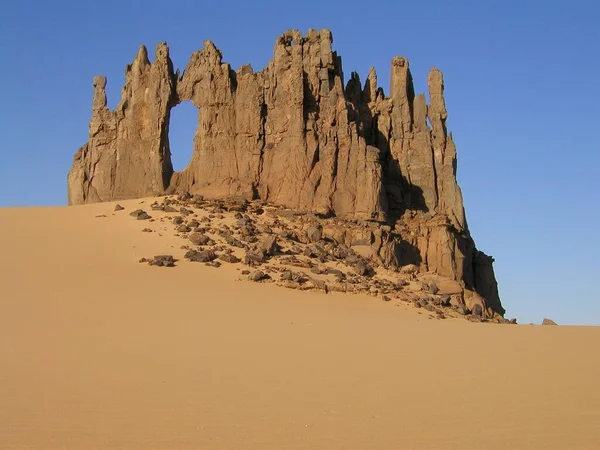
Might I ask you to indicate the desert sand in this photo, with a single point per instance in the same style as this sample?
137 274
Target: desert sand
98 351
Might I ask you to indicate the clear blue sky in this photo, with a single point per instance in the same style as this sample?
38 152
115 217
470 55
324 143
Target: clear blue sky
522 90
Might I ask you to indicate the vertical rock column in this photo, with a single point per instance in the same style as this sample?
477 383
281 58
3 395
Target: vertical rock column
127 154
91 178
143 165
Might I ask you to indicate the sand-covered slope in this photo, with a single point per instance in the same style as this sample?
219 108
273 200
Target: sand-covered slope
100 351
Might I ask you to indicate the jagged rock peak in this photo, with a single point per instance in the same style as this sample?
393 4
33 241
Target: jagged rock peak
293 135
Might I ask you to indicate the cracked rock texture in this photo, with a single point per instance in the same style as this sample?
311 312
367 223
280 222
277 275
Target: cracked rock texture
294 135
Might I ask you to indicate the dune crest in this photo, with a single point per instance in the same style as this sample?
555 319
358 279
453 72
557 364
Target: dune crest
101 351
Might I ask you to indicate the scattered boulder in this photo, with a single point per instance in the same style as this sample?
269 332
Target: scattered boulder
269 245
255 256
446 286
256 275
445 301
232 241
230 258
140 214
199 239
549 322
409 269
118 207
477 310
463 310
315 233
289 235
213 264
201 256
184 196
336 272
363 269
430 287
161 261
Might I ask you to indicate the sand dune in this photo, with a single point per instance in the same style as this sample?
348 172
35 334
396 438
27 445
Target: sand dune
100 352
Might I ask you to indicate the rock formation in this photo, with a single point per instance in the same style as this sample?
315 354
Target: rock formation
294 135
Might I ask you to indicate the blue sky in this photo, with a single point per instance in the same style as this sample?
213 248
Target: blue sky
522 92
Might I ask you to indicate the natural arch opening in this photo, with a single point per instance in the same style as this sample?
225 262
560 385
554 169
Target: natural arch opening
182 129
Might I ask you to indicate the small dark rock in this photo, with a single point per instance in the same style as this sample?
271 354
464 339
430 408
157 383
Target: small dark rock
269 245
255 256
336 272
230 258
201 256
119 207
315 233
184 196
199 239
436 301
213 264
140 214
549 322
462 310
232 241
256 275
363 269
163 261
177 220
445 300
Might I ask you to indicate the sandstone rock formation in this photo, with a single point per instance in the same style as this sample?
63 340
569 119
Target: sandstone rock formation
294 135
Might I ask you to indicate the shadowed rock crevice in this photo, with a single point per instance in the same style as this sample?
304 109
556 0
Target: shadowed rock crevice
293 135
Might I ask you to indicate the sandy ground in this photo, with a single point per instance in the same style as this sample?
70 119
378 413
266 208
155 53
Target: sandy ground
99 351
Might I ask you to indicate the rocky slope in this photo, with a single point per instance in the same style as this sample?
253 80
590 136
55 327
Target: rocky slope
295 136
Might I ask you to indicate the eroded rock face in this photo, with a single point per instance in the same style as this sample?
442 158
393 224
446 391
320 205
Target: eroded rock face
127 154
294 135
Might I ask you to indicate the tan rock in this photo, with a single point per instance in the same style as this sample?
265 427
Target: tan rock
293 135
445 286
